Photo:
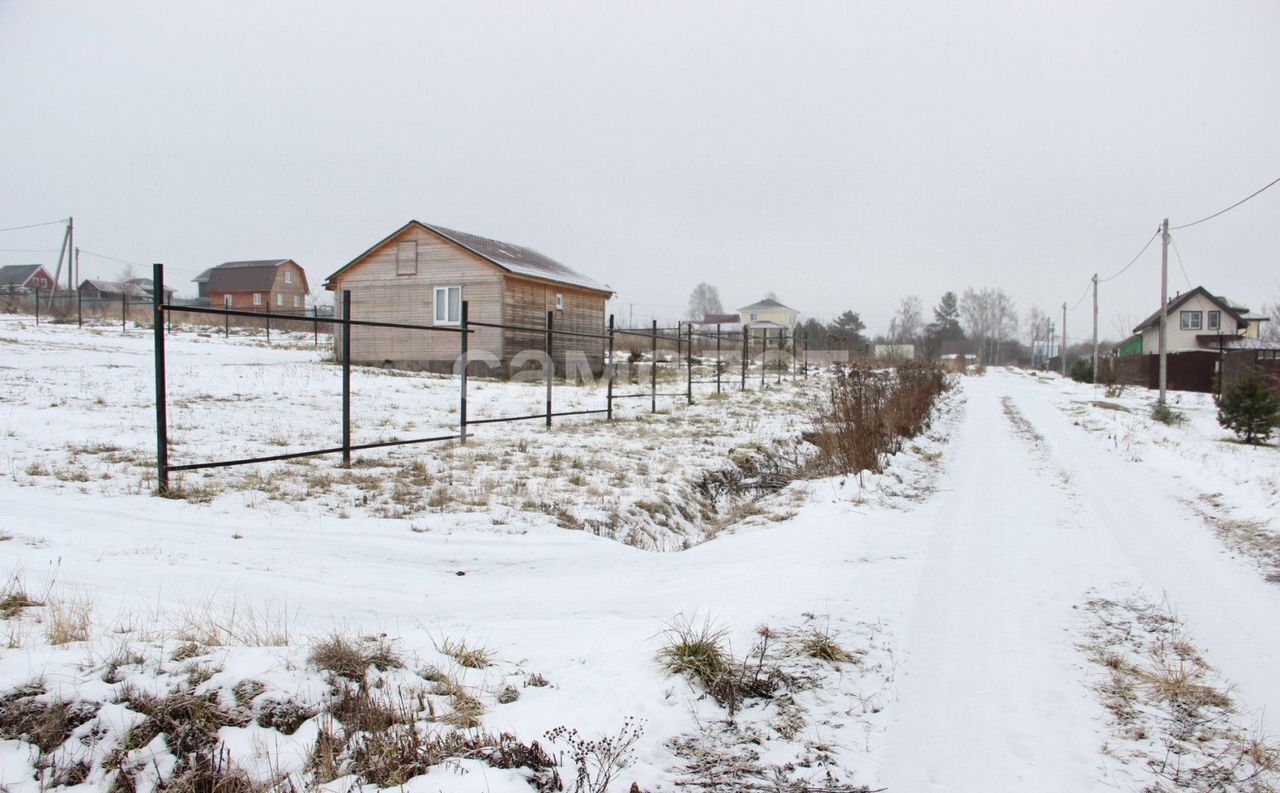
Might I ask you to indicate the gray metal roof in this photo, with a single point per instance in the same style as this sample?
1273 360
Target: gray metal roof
248 276
768 304
17 274
515 259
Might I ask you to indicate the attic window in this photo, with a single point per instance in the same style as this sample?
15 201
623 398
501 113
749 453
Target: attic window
288 276
1191 320
559 302
407 257
1215 320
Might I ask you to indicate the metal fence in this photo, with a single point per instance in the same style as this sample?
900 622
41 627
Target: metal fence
683 337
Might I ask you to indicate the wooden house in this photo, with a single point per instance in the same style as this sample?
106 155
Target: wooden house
421 274
23 278
275 285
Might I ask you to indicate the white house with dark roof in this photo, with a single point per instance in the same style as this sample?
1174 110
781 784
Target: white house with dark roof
1197 320
768 315
422 273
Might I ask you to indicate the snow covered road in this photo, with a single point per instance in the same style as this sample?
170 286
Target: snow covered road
1034 515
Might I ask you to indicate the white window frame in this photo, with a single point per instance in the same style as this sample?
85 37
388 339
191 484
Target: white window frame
288 276
1185 320
1215 320
257 298
559 301
406 265
436 305
296 302
280 299
755 317
227 301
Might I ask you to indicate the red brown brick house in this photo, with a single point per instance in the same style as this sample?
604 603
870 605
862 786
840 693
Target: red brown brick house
421 273
25 278
275 285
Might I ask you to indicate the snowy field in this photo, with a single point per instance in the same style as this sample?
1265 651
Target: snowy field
1046 592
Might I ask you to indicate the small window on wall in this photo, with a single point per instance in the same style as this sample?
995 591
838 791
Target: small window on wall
297 301
559 302
448 309
226 301
1191 320
257 298
279 299
407 257
1215 320
288 276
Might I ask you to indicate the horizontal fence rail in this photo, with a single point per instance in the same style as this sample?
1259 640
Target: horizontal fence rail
683 336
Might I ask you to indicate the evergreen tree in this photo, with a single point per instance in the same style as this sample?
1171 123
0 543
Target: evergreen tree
946 319
1249 410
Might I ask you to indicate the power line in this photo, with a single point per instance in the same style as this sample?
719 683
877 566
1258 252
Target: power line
29 250
111 258
1228 209
1179 255
1082 297
1133 260
35 225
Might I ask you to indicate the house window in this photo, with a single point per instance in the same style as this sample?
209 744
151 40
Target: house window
279 299
296 301
407 257
1191 320
288 276
755 317
1215 320
226 301
559 302
448 305
257 298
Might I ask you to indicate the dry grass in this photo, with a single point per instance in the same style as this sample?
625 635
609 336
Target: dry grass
239 624
351 658
68 620
468 655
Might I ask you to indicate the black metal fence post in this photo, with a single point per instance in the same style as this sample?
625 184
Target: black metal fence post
679 329
37 306
79 308
608 371
653 369
268 318
746 351
549 364
764 354
462 405
315 324
688 365
162 419
719 360
346 377
124 310
806 355
226 318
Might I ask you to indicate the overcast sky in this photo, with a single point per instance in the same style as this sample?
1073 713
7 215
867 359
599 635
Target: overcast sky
843 155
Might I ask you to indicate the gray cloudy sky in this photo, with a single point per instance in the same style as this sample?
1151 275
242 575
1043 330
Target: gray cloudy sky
841 154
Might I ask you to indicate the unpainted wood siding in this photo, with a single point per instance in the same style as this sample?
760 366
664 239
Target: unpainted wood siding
527 303
379 294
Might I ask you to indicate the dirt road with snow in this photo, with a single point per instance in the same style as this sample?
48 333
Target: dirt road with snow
1034 514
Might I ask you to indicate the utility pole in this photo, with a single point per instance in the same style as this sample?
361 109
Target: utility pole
1095 328
77 283
71 245
1164 304
1063 352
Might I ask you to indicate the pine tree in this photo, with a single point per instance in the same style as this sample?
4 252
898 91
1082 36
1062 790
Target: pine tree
1249 410
946 319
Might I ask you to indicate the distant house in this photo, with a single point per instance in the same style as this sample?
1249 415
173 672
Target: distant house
21 278
422 273
963 350
99 289
145 284
727 323
275 285
768 316
1197 320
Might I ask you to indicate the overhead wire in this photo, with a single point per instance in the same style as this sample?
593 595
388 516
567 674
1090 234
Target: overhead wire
1273 183
37 225
1131 261
1178 254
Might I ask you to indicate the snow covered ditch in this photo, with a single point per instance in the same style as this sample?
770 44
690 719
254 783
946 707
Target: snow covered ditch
1233 487
180 643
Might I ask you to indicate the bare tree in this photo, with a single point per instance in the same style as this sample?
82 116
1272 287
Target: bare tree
126 273
906 326
704 300
990 317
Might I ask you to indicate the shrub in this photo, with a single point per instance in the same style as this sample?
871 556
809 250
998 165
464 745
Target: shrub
1249 410
1164 414
1082 370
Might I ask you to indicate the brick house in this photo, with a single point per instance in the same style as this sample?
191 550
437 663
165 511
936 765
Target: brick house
23 278
275 285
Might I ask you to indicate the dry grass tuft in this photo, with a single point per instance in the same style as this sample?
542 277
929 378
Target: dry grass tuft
470 656
68 620
351 658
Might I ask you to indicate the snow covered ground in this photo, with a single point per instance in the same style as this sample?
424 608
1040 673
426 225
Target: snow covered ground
967 587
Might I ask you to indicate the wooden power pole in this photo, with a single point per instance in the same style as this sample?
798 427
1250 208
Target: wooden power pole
1095 328
1164 304
1063 352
